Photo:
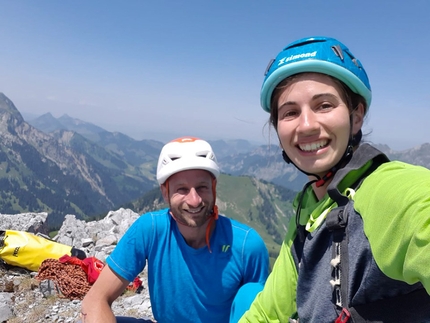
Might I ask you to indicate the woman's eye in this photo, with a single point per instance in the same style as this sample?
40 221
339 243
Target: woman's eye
325 106
288 114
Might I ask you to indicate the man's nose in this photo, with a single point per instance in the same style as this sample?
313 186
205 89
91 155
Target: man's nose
193 198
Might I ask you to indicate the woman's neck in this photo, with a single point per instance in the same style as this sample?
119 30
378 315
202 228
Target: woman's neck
321 191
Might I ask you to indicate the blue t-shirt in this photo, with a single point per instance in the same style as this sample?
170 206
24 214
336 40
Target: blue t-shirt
187 284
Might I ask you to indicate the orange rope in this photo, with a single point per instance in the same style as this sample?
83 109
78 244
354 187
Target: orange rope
69 278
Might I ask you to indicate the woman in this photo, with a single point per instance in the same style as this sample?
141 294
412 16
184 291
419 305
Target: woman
358 249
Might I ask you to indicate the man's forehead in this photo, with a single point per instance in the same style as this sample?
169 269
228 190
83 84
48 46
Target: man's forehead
191 175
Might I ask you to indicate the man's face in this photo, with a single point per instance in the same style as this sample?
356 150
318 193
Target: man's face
190 196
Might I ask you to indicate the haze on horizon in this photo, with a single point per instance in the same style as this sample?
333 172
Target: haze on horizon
152 68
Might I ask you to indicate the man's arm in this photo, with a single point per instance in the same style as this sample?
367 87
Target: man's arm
96 306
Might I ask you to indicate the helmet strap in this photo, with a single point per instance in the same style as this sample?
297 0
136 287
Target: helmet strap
286 158
301 228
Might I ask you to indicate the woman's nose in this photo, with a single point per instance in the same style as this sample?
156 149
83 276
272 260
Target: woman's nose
307 120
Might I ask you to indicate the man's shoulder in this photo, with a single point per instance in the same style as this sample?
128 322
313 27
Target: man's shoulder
155 213
155 216
235 224
242 235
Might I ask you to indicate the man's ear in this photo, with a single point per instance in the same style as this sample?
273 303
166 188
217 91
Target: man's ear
357 118
165 192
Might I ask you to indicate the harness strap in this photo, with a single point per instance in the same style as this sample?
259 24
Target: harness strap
337 221
411 307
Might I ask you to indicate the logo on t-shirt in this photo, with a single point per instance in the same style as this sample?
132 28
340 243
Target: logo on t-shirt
225 247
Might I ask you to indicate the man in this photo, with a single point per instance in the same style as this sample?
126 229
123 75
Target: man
196 259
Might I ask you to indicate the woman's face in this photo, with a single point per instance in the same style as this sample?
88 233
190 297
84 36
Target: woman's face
313 122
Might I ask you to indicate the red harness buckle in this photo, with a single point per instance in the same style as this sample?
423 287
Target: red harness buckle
343 316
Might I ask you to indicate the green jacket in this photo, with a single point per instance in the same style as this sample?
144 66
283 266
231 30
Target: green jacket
389 246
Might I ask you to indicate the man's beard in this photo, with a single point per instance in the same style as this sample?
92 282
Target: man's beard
189 219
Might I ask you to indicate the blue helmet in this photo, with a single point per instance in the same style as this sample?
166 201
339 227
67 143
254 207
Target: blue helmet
316 54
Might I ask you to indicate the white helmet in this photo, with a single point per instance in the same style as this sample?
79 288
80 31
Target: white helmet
184 154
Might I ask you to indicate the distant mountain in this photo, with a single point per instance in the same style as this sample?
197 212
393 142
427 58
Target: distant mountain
135 152
224 148
61 172
48 123
139 153
419 155
264 162
236 157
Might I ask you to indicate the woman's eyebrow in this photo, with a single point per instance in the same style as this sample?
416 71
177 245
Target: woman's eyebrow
286 104
319 95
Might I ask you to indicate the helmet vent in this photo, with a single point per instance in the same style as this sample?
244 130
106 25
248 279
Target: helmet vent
203 154
165 161
305 42
269 66
338 51
170 158
354 60
206 154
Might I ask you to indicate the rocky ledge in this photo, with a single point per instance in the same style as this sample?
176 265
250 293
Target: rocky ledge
23 298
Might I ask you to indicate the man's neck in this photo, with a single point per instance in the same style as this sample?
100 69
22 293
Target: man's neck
195 237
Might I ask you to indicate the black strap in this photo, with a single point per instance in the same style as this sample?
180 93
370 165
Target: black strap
407 308
336 222
362 155
337 219
411 307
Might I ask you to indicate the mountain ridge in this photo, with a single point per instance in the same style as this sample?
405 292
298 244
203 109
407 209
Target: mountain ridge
235 156
60 172
72 166
63 172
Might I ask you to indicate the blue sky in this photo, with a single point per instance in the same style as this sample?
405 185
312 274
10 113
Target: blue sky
161 69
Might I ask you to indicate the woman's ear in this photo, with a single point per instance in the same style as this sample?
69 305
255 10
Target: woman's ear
357 118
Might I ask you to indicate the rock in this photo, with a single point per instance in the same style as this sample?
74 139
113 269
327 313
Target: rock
24 299
30 222
5 306
47 288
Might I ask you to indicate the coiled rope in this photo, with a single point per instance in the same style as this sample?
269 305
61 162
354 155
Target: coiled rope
69 278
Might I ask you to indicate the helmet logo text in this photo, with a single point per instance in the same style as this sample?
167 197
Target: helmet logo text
294 57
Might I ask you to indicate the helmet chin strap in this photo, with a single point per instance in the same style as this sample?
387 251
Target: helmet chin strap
354 140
